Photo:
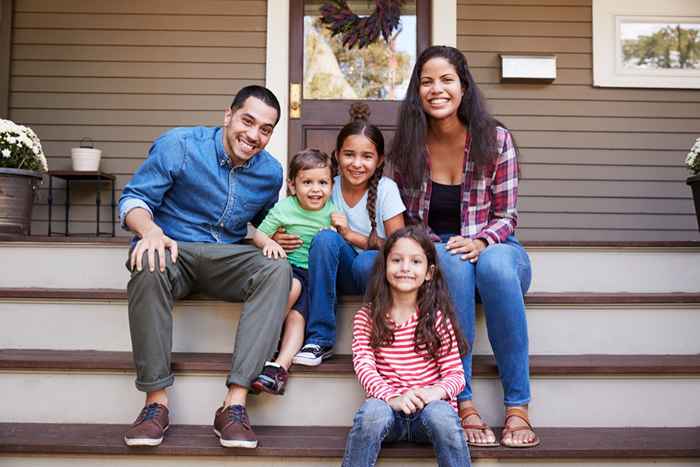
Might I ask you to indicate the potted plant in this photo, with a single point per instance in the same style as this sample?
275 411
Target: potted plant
21 163
693 163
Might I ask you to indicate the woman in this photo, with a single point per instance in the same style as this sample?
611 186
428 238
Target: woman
457 170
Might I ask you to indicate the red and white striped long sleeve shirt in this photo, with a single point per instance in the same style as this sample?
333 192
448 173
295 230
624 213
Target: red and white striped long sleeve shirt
389 371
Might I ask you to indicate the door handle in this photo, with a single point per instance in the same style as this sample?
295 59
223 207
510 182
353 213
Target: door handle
295 100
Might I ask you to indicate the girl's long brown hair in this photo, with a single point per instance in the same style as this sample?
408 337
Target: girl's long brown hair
432 297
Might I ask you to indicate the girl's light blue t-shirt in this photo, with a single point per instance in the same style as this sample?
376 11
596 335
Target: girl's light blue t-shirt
389 204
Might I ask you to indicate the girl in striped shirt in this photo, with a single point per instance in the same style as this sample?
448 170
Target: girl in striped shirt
406 353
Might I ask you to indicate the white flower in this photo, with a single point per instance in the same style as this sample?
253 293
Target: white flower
692 160
21 145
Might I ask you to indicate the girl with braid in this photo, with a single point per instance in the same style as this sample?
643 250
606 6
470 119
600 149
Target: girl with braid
341 261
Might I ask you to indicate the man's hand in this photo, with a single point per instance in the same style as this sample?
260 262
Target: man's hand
288 242
431 394
271 249
153 240
470 249
408 402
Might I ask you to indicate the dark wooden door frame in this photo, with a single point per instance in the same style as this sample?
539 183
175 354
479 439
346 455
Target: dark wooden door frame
296 65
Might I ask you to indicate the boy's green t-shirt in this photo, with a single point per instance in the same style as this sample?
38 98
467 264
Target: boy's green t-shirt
296 220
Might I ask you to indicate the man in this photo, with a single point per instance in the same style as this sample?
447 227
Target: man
189 205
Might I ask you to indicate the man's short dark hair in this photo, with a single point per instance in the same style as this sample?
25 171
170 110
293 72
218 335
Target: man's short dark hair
259 92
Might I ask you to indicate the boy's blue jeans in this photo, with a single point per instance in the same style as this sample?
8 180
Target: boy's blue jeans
500 278
376 421
334 267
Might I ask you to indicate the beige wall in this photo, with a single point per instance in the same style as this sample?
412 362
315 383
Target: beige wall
597 164
121 72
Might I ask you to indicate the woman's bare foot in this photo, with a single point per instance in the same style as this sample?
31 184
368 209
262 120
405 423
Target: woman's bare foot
476 431
518 432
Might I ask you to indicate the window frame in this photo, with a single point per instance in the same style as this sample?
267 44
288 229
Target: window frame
607 17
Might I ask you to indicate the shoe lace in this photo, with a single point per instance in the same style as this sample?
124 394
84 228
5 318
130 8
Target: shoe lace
238 414
150 412
313 348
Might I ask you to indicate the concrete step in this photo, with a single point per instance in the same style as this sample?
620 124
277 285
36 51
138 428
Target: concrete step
71 445
557 267
559 323
574 391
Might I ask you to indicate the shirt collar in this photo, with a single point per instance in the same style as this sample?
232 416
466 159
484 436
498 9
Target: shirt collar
221 155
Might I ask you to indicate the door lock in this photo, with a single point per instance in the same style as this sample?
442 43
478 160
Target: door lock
295 100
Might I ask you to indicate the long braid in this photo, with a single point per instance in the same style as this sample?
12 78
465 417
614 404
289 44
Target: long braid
374 242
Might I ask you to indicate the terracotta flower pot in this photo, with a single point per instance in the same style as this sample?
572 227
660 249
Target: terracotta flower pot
694 183
17 190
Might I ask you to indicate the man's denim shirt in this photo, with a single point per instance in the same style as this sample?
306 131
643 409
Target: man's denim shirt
188 186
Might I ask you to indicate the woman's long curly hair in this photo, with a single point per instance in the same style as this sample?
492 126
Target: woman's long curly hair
408 151
360 126
432 297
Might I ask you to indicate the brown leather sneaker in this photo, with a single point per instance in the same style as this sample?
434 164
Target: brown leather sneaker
232 426
149 427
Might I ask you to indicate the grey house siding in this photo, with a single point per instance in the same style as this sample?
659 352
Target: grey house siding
597 163
121 73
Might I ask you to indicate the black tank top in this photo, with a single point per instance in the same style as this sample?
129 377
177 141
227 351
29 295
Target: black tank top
445 209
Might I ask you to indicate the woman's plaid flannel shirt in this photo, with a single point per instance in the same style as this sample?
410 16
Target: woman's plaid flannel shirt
488 203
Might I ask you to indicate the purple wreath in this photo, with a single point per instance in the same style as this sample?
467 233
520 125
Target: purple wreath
361 31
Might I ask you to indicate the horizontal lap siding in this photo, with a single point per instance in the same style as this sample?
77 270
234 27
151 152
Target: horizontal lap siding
122 72
597 163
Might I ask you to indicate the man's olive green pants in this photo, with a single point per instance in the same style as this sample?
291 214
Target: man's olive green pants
235 273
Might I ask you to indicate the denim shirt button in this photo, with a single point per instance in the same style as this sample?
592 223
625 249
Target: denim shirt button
221 225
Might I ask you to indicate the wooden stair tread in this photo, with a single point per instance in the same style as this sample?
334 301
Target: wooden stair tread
484 365
194 440
125 240
534 298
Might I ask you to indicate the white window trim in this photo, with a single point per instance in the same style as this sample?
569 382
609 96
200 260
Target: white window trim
277 75
606 18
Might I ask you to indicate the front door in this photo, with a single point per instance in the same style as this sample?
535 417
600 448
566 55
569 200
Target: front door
329 81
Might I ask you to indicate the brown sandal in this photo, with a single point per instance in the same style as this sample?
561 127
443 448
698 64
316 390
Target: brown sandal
522 415
468 412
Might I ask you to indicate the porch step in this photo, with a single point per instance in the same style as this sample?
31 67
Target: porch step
618 390
559 323
298 445
557 267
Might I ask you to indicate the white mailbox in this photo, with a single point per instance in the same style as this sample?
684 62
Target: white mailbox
528 68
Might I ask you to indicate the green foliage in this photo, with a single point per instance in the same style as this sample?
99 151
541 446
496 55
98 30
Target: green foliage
670 47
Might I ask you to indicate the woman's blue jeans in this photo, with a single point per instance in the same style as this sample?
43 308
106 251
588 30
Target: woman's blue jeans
500 278
334 267
436 424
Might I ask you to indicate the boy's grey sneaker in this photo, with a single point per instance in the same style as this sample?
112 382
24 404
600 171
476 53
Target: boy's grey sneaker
149 427
312 355
232 426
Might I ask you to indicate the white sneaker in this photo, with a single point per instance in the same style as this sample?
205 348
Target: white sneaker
312 355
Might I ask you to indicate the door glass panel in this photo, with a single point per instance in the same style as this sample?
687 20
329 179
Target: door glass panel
380 71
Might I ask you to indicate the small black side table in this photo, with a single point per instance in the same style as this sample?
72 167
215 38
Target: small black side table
74 176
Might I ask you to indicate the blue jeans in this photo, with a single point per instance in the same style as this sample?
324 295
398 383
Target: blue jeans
500 279
334 267
376 421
